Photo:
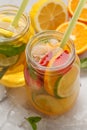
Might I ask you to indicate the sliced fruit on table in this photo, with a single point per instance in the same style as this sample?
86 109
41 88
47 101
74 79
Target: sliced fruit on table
48 15
64 86
72 4
79 35
15 79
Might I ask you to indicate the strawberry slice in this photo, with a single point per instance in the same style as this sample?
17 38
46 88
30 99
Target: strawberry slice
63 58
34 83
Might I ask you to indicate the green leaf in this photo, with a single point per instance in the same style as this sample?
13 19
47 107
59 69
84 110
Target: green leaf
34 126
11 50
33 121
83 63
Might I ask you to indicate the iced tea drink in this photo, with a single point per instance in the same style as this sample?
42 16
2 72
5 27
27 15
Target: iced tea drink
13 41
51 73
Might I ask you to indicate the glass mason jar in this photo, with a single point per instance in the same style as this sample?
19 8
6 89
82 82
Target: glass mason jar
51 73
12 46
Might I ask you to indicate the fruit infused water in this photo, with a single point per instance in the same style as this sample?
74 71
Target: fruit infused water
13 41
51 73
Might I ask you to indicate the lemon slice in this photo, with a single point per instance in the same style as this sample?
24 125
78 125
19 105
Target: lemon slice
48 15
8 61
47 104
65 85
6 33
53 106
13 80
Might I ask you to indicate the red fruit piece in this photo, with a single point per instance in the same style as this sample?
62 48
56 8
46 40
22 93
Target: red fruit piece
45 60
62 59
34 83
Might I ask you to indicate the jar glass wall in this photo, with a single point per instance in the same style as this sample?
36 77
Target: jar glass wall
52 73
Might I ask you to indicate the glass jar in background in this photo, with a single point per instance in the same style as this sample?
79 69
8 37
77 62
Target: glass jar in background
12 48
51 73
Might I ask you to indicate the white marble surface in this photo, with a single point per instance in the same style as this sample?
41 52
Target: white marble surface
14 106
14 109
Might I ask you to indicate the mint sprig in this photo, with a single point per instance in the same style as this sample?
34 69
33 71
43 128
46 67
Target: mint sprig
33 121
83 63
11 50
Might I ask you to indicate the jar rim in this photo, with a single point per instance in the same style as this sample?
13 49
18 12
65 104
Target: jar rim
40 67
14 9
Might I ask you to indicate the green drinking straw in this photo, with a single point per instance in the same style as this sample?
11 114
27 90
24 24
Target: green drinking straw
72 22
19 13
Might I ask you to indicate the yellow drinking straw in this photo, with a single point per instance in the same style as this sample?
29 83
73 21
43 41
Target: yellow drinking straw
72 22
19 13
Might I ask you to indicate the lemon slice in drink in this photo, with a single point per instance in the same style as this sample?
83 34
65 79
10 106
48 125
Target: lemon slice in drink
8 61
47 104
53 106
6 33
48 14
50 77
55 82
65 85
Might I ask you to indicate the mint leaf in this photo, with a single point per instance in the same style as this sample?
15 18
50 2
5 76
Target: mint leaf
34 126
33 121
11 50
83 63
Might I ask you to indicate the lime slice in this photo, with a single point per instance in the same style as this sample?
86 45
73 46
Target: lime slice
8 61
65 85
54 106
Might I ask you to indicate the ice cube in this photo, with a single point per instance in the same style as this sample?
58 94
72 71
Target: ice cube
5 108
53 42
39 51
17 115
10 126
